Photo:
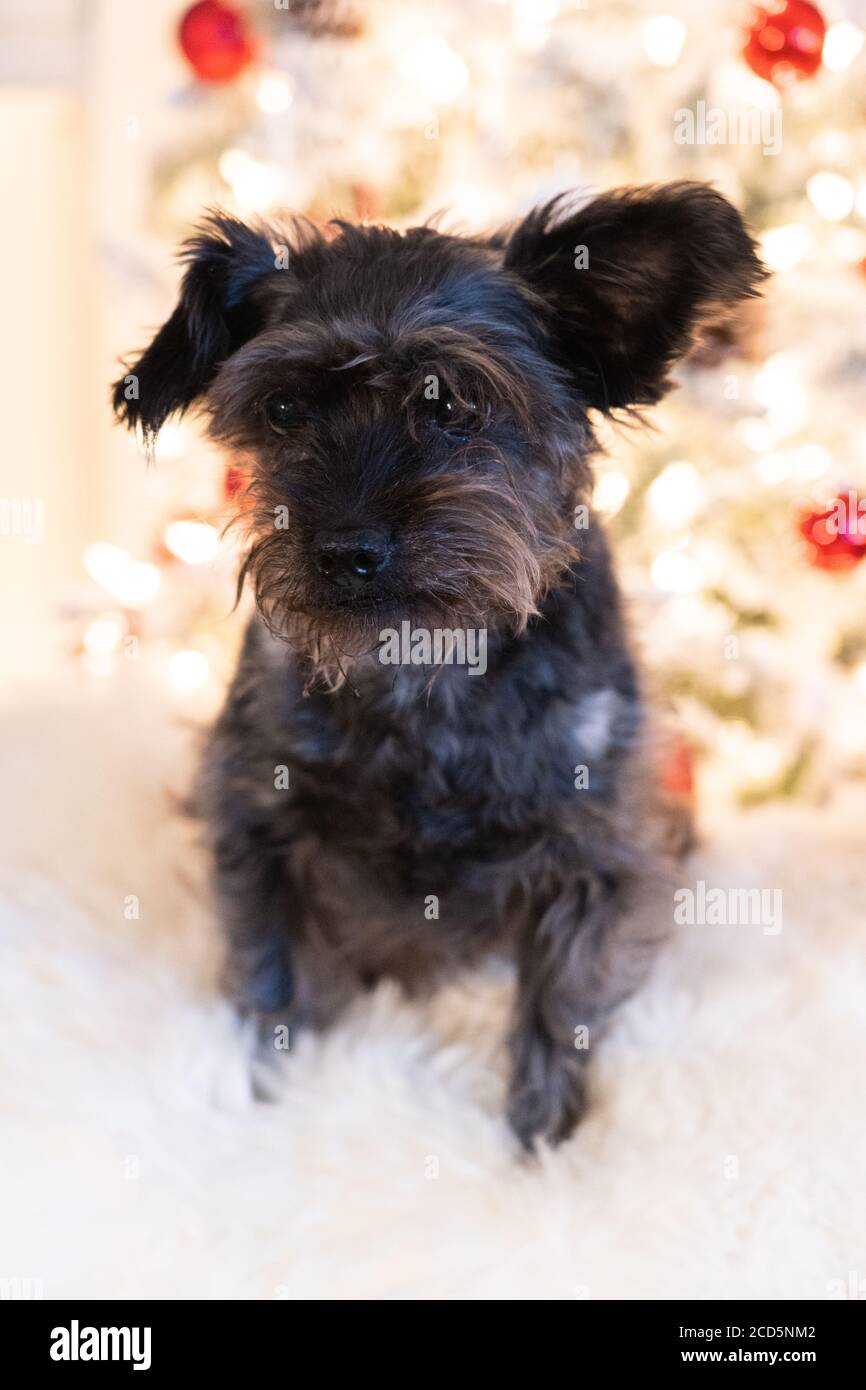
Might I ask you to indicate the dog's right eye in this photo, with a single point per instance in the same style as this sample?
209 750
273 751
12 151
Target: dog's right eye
281 411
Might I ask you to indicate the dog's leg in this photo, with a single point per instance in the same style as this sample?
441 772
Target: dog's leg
279 967
578 957
257 902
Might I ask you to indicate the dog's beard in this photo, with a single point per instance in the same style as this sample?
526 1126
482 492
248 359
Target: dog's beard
472 554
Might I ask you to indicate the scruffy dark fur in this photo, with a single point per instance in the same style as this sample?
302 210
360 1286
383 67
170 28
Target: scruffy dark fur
410 786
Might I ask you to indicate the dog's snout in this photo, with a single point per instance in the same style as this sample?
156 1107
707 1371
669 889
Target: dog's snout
351 559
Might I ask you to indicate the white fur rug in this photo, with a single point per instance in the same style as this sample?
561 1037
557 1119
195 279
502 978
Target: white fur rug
724 1156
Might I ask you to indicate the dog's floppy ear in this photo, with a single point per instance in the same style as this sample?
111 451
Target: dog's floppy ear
215 315
625 281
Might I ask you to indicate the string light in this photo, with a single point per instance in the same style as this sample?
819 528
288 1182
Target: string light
831 146
784 247
103 635
532 21
842 43
188 671
831 195
734 737
772 468
171 442
663 39
535 11
848 244
677 494
676 573
431 64
256 186
735 679
273 93
610 491
779 387
766 759
756 434
777 379
231 161
133 583
194 542
736 86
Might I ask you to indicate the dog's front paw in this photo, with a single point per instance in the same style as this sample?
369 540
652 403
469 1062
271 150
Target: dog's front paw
258 976
547 1096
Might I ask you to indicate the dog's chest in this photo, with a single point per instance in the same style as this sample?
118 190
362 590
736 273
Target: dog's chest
400 839
417 780
404 798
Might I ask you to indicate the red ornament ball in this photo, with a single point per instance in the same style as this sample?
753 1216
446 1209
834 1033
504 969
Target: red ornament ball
234 482
215 41
678 770
836 537
784 40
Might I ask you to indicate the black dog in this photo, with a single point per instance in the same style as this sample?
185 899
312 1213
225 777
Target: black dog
415 410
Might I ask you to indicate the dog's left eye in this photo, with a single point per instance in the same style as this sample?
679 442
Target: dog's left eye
455 418
281 411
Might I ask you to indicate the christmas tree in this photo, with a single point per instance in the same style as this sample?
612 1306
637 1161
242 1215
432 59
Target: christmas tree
738 517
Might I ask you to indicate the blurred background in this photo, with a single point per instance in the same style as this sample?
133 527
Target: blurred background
737 518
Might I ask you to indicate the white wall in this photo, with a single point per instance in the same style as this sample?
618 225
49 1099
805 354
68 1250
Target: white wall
77 288
45 344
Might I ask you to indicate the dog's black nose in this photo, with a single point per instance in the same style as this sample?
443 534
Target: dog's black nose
351 558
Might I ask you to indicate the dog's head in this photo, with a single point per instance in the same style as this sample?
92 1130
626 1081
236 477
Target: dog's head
415 408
